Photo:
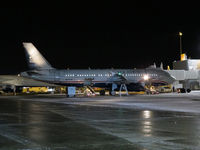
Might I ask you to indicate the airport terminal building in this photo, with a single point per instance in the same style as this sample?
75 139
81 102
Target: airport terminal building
187 73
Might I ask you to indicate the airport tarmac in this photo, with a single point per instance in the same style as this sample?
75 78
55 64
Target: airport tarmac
136 122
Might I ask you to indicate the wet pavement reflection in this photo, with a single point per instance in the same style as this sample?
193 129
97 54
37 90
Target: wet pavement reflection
49 126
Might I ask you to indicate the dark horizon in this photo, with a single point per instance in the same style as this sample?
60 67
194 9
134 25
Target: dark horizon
98 35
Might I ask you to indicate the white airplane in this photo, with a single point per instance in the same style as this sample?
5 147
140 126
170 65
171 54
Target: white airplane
110 79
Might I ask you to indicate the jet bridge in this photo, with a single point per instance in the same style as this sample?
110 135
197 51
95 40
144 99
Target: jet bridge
187 79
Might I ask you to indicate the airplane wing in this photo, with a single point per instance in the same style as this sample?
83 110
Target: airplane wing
118 78
21 81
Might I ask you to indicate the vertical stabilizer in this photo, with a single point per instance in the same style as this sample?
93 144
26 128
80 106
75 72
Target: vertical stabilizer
34 58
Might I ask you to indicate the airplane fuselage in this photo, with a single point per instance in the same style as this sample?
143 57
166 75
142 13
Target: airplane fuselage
99 77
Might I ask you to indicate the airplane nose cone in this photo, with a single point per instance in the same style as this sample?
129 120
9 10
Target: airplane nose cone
173 78
167 77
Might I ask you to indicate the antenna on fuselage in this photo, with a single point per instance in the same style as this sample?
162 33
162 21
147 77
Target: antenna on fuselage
161 65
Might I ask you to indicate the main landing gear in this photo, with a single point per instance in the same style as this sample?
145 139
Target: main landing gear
122 87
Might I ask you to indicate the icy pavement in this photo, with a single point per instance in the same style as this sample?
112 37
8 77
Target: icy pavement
139 122
162 102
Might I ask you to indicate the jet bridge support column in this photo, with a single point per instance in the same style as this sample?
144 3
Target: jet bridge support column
123 86
112 92
14 90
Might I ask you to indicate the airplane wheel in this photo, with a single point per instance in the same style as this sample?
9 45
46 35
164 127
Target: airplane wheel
102 92
188 90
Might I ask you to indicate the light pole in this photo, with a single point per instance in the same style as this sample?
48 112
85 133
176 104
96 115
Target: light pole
180 35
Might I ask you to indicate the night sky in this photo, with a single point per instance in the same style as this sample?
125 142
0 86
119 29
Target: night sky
98 34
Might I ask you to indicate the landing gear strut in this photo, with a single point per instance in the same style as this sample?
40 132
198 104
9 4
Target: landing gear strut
112 92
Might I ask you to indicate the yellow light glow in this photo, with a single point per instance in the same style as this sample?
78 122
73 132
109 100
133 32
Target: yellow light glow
183 57
146 77
168 67
180 33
